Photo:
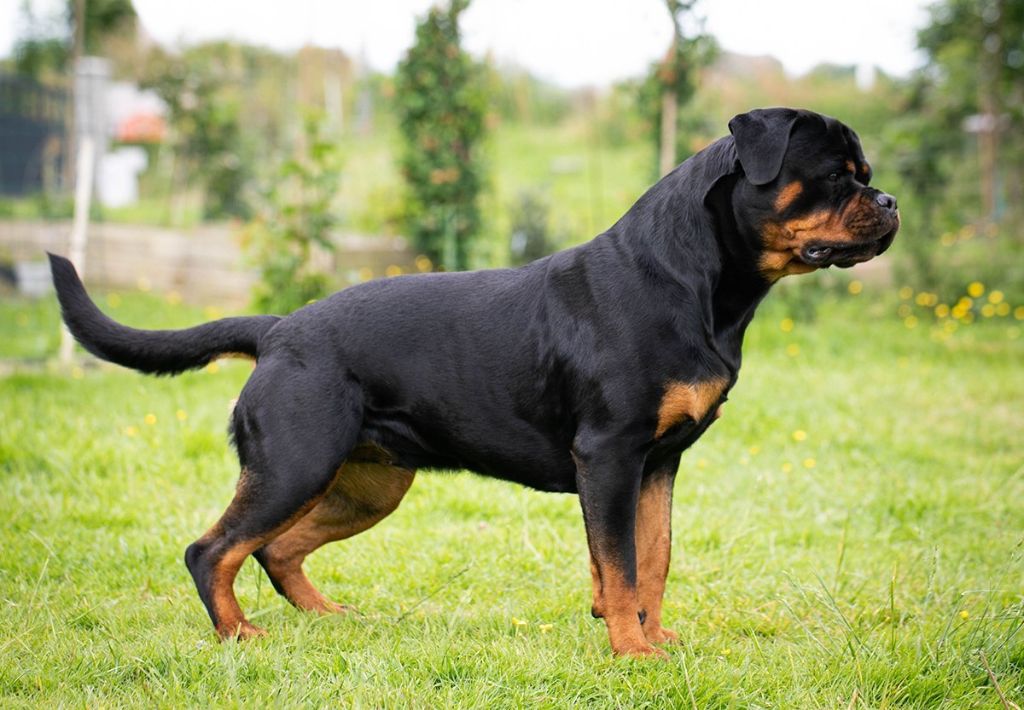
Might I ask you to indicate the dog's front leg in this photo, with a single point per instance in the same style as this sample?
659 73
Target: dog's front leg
609 489
653 547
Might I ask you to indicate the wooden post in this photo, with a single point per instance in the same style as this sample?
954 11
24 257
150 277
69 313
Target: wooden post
669 119
80 226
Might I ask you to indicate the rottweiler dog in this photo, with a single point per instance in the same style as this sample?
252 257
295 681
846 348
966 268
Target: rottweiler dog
588 371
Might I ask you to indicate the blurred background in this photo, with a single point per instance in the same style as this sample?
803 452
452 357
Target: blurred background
259 155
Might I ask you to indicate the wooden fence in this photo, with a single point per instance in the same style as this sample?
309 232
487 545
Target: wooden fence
203 265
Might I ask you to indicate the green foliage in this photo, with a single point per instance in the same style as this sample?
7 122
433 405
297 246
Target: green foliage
678 73
529 239
516 95
45 46
297 217
206 117
441 113
975 69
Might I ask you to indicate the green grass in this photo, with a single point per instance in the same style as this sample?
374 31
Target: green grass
876 554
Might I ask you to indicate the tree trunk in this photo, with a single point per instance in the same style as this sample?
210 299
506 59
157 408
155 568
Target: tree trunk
669 114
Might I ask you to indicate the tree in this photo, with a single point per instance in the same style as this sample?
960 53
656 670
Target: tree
48 45
441 114
200 88
674 79
975 81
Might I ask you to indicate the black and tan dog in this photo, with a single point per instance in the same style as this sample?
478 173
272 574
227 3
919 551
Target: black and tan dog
588 371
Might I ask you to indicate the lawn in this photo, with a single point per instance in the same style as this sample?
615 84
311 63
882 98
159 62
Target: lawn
848 535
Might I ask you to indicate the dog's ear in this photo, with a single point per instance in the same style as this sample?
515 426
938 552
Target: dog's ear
761 137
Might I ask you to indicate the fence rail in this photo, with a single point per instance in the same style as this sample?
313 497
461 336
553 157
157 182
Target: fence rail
203 265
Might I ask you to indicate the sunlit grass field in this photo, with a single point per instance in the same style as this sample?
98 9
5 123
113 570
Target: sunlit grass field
848 535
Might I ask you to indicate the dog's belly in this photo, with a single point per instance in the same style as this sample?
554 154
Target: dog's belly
520 454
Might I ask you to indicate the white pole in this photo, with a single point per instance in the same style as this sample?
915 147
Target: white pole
80 227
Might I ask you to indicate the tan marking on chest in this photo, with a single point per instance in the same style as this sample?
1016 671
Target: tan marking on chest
683 401
787 195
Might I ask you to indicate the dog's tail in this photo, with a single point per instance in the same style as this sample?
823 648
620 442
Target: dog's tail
162 352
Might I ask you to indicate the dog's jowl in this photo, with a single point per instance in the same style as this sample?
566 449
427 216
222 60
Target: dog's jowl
588 371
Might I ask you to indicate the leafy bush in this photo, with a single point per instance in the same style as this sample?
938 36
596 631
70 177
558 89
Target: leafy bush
296 218
441 105
529 239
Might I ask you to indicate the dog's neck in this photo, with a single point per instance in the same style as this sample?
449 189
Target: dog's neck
685 229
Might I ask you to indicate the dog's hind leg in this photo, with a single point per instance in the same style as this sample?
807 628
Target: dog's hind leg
362 495
293 431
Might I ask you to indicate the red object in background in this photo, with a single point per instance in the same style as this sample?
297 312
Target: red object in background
142 128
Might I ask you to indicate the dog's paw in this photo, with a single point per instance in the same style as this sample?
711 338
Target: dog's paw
641 651
240 632
661 635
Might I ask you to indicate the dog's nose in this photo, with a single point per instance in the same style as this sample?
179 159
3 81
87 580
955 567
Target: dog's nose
886 201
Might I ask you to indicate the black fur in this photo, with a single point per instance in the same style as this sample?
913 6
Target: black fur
158 352
551 375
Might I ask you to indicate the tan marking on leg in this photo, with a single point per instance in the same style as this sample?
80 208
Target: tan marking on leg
362 495
683 401
653 552
621 616
231 621
787 195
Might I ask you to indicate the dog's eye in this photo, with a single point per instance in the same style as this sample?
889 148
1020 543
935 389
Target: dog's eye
833 177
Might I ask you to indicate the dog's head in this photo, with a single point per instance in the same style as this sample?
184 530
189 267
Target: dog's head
805 193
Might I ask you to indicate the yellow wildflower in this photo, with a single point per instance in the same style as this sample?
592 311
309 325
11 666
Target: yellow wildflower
786 325
976 289
181 415
799 435
150 419
855 287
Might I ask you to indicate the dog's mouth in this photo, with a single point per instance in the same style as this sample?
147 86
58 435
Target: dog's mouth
824 254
